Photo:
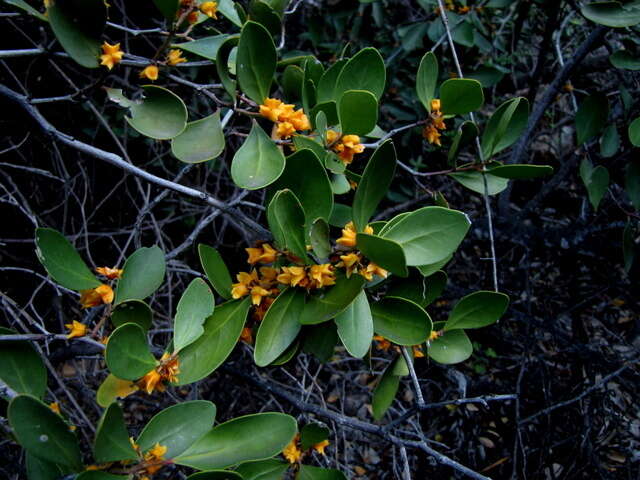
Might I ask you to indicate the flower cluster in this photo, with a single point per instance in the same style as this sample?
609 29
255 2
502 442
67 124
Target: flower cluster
293 451
346 146
94 297
436 122
284 115
353 261
166 371
264 253
257 283
451 6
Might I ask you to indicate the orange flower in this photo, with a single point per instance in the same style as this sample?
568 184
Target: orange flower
299 120
150 72
166 371
435 104
154 458
247 335
292 452
349 262
348 238
293 276
382 343
432 135
285 130
263 254
257 293
417 351
96 296
76 329
175 57
319 447
110 273
55 407
210 9
433 335
111 55
271 109
347 147
372 269
322 275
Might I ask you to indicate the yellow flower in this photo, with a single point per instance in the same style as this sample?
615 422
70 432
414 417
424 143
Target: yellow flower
285 130
322 275
292 276
417 351
154 458
271 109
348 238
347 147
319 447
175 57
435 104
111 55
433 335
463 10
48 3
210 9
55 407
76 329
431 134
299 120
291 452
268 276
241 288
110 273
262 254
150 72
96 296
382 343
373 269
349 262
438 121
151 381
257 293
167 370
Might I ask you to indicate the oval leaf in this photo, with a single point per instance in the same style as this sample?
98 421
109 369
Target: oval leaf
258 162
143 274
216 270
286 222
364 71
355 326
256 61
112 439
426 79
161 115
133 311
401 321
452 347
325 306
358 112
202 140
521 172
591 117
21 367
384 252
195 305
461 95
127 354
478 309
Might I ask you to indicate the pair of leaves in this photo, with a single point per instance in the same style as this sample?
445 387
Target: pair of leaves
596 180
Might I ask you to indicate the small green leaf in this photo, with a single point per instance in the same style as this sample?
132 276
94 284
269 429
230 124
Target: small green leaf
461 95
178 427
21 367
264 470
168 8
222 62
374 184
127 355
195 305
132 311
292 82
505 126
355 326
624 59
206 47
286 221
309 472
332 301
611 14
312 434
256 61
431 268
609 141
452 347
465 135
227 9
596 180
477 309
43 433
358 112
384 252
327 83
216 270
21 4
262 13
521 172
280 326
216 475
112 439
634 132
401 321
364 71
62 261
202 140
258 162
319 237
385 391
426 79
473 180
340 215
243 439
221 333
591 117
143 273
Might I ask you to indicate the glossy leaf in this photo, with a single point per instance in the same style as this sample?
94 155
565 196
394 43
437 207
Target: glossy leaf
206 47
256 61
429 234
320 341
258 162
461 95
332 301
202 140
127 355
422 291
38 469
62 261
477 309
23 5
195 305
143 273
452 347
132 311
21 367
178 427
358 112
505 126
431 268
521 172
243 439
216 270
292 82
221 333
609 141
355 326
262 13
401 321
286 221
340 215
426 79
271 469
112 439
374 184
43 433
473 180
364 71
591 117
280 326
384 252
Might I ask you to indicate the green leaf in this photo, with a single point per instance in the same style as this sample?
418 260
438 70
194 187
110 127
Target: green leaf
624 59
143 274
431 268
596 180
21 4
340 215
243 439
461 95
178 427
43 433
591 117
258 162
330 110
206 47
374 184
384 252
78 26
262 13
429 234
477 309
168 8
420 290
355 326
38 469
221 333
319 237
611 14
195 305
452 347
309 98
280 326
521 172
466 133
307 178
256 61
62 261
401 321
358 112
609 141
309 472
112 388
332 301
264 470
215 475
127 355
505 126
385 391
634 132
320 341
364 71
472 179
132 311
202 140
292 82
327 83
161 114
112 439
222 63
227 8
426 79
98 475
312 434
21 367
216 270
286 222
